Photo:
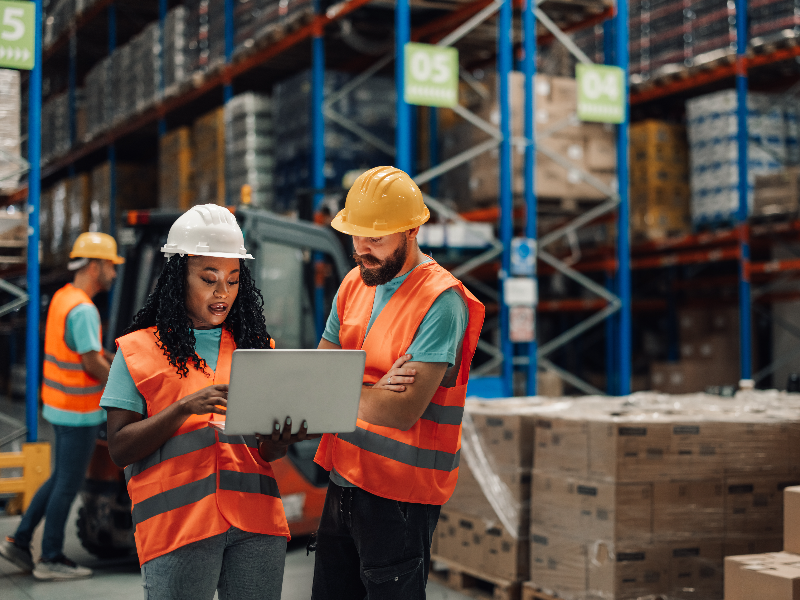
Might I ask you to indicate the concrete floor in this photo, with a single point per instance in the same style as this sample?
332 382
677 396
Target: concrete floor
121 578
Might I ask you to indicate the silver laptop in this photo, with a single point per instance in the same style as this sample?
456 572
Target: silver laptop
322 387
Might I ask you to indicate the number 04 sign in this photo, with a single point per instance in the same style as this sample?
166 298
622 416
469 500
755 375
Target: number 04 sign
431 75
600 93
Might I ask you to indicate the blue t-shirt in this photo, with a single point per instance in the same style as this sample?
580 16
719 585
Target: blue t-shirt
437 337
82 335
120 390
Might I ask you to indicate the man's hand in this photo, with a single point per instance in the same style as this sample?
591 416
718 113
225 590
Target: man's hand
275 445
398 376
96 365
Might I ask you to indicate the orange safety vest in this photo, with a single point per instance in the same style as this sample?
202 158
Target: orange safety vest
65 385
419 465
200 482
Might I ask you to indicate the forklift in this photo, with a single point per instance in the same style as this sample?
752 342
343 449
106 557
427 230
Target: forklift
298 267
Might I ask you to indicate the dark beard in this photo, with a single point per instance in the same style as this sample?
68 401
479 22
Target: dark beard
387 271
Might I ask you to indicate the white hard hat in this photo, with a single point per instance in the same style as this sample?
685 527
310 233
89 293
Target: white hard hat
206 230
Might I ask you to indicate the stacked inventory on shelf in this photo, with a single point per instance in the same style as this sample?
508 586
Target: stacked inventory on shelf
777 193
659 180
488 533
205 28
249 129
713 149
175 186
769 19
709 352
55 126
645 495
371 106
98 98
146 67
121 84
588 148
135 188
208 158
257 19
9 128
176 50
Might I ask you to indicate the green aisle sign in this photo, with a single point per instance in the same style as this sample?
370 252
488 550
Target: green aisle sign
17 34
431 75
601 94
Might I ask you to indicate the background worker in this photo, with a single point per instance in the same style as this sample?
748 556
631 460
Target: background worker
419 327
75 370
206 507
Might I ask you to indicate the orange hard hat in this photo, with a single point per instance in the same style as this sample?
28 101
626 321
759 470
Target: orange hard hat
96 245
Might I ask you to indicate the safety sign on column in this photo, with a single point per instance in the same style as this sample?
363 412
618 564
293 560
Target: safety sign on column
17 35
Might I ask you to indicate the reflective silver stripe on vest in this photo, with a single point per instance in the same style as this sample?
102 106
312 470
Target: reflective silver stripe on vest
401 452
178 497
444 415
249 440
175 446
74 390
249 483
67 366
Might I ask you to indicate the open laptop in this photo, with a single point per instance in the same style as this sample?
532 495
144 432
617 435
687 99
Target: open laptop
322 387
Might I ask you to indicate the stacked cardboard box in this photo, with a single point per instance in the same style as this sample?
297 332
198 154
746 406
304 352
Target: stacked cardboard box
63 217
588 148
645 495
176 50
487 538
709 352
713 148
135 187
9 127
208 157
773 575
146 66
206 34
175 189
659 180
250 149
778 193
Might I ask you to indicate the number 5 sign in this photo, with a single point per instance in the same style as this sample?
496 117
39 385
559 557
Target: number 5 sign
17 34
600 93
431 75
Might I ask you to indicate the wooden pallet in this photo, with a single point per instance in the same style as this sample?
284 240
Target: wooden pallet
471 582
531 592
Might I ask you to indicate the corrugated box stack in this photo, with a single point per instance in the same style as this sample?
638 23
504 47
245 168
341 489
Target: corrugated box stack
146 64
370 106
122 85
713 150
55 127
9 127
709 352
645 495
777 193
135 187
208 158
589 148
773 575
205 22
659 180
176 50
175 188
484 526
257 19
78 196
773 20
250 149
99 100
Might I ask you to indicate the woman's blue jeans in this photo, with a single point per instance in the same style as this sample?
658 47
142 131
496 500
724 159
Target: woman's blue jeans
74 447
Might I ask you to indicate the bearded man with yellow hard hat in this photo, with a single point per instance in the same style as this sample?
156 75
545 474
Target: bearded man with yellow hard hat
419 326
75 371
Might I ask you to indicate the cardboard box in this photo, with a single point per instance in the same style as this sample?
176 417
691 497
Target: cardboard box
746 580
791 519
715 347
601 147
754 505
738 546
777 193
562 445
175 190
685 377
590 509
696 568
558 564
689 510
630 571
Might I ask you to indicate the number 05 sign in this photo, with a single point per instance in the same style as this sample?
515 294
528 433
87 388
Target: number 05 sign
431 75
600 93
17 34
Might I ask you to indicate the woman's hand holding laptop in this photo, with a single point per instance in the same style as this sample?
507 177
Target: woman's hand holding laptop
274 446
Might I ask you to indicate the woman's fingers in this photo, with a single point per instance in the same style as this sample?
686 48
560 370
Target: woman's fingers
276 431
301 435
286 436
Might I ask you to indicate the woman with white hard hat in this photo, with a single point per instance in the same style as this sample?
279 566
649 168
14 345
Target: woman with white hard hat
206 506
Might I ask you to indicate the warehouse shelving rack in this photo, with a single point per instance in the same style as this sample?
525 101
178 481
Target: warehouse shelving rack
290 50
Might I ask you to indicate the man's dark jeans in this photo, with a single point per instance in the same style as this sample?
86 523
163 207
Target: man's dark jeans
370 547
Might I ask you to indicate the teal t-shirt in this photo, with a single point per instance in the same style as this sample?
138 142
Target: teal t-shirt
436 340
120 390
82 335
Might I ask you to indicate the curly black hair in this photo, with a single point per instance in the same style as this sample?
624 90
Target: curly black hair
165 309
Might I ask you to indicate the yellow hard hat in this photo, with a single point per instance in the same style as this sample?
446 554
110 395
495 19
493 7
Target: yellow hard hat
382 201
96 245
